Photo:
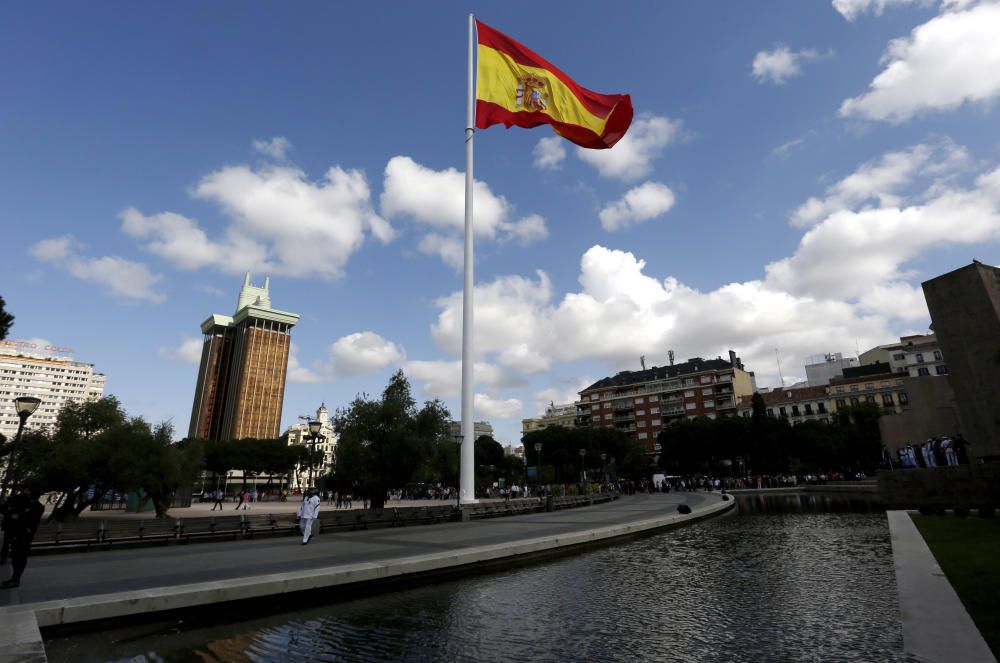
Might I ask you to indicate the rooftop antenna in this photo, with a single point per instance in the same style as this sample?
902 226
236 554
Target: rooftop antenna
642 360
670 354
778 359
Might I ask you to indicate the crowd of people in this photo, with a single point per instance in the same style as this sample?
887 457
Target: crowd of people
934 452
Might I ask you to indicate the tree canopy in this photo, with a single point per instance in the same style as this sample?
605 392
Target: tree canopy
6 320
560 455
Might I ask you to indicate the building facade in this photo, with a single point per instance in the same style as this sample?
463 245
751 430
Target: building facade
479 429
555 415
642 403
919 355
965 311
796 405
48 373
244 360
326 444
823 368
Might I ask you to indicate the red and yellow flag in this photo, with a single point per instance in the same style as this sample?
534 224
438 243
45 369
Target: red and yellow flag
517 87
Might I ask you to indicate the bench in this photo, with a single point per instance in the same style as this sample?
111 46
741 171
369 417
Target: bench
268 524
74 535
195 529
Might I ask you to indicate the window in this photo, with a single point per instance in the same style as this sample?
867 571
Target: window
821 408
937 355
920 357
640 413
640 423
854 387
642 436
840 390
795 410
869 386
706 392
902 398
689 393
887 399
781 411
639 401
899 357
770 411
854 401
654 422
654 410
941 369
691 406
706 379
595 407
653 399
708 404
923 370
870 399
809 408
594 397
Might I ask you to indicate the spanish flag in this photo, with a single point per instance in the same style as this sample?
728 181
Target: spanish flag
517 87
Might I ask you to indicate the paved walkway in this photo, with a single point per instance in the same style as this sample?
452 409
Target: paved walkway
936 626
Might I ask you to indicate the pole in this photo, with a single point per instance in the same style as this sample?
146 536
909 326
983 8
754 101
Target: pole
9 471
467 493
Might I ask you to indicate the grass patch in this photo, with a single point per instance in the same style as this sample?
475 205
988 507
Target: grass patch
967 549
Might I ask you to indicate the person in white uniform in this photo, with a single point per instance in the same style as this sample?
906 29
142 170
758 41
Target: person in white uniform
308 512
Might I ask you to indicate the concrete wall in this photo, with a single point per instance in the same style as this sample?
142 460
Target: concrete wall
965 310
932 412
965 486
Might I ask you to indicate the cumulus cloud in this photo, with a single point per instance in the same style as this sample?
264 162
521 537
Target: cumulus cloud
495 408
560 395
881 181
125 278
644 202
952 59
188 351
279 222
435 200
549 153
779 65
848 281
299 374
363 352
632 157
276 148
851 9
443 379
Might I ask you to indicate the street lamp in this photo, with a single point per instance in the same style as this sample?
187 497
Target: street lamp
538 448
25 406
314 428
583 452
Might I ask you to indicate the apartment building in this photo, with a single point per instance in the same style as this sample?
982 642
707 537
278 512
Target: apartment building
326 444
797 405
48 373
555 415
642 403
918 356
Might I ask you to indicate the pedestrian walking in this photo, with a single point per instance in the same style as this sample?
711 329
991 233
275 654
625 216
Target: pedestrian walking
308 512
243 500
217 496
23 513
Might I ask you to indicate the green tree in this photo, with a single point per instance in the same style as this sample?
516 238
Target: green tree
6 320
149 462
385 443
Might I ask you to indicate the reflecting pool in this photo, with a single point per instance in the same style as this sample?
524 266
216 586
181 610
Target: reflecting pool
786 578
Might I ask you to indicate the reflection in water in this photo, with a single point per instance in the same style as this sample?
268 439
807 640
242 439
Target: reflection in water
791 578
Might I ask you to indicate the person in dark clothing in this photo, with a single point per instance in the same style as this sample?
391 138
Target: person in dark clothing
24 512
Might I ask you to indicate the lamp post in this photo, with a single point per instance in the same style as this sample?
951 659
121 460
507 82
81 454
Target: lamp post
604 471
314 428
25 406
583 453
538 449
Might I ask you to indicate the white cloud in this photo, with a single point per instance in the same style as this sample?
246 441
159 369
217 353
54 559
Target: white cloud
124 278
363 352
779 65
299 374
851 9
882 180
276 148
560 396
188 351
644 202
632 157
952 59
435 199
443 379
487 407
280 222
549 153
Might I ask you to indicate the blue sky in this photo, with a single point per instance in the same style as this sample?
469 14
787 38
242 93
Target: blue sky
794 171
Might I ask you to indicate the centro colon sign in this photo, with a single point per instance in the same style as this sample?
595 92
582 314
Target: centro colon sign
31 345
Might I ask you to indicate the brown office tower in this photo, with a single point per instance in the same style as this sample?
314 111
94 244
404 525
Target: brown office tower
965 311
241 382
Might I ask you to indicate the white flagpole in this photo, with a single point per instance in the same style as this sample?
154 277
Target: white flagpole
467 494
